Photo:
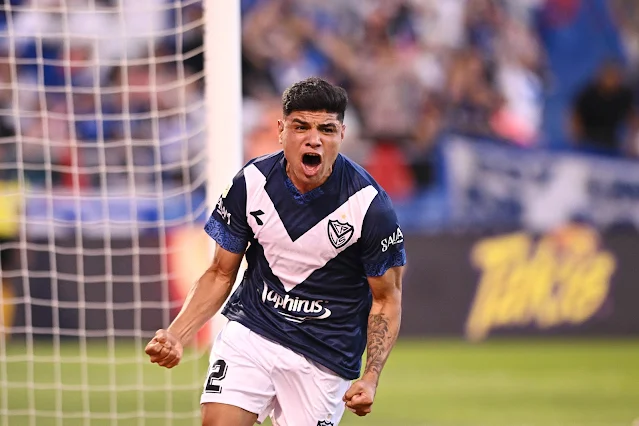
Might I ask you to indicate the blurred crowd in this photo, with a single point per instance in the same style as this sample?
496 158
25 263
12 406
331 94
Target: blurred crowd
418 71
413 69
125 87
102 94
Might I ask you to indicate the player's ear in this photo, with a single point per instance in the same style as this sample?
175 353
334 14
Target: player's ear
343 130
280 129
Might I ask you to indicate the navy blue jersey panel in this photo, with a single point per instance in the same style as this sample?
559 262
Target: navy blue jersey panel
300 212
382 239
227 224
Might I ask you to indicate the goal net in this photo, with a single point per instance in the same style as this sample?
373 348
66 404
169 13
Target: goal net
103 175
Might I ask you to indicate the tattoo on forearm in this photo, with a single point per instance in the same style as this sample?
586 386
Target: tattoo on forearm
380 342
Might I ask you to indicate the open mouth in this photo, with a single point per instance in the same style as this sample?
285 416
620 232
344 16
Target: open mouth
311 163
311 160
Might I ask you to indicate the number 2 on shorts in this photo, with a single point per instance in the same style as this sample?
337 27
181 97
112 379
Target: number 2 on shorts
218 373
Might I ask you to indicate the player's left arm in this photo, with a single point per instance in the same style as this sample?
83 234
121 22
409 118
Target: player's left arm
383 327
384 257
383 321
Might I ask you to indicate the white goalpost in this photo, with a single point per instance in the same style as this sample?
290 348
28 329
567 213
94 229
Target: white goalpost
116 140
224 73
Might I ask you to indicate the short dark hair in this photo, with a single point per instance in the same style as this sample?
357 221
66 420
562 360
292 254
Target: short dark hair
315 94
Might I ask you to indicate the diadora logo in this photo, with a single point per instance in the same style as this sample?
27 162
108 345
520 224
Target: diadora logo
256 214
295 309
396 238
339 233
222 211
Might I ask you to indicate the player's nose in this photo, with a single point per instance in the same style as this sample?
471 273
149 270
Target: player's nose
314 139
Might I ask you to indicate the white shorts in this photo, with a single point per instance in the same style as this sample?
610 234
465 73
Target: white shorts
265 378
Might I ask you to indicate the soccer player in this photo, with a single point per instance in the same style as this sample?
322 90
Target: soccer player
325 257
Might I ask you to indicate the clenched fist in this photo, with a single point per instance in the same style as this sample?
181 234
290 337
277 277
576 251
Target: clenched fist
359 397
164 349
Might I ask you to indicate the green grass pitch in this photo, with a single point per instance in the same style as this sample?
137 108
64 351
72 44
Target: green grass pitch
426 383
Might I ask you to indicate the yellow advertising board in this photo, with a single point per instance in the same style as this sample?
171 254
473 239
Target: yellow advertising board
561 278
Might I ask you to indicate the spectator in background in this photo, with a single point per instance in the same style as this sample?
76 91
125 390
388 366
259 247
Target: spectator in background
484 19
518 78
603 111
272 43
470 99
423 142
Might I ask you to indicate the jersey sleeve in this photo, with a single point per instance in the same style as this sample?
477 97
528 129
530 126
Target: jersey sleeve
382 238
227 224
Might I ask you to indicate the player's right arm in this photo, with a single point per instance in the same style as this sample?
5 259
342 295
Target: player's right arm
229 228
205 298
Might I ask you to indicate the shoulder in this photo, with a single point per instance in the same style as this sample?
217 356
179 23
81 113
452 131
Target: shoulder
360 178
380 213
355 173
265 163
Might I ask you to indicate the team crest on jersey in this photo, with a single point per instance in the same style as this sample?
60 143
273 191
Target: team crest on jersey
339 233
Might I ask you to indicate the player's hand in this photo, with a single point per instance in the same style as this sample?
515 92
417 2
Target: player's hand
359 397
164 349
